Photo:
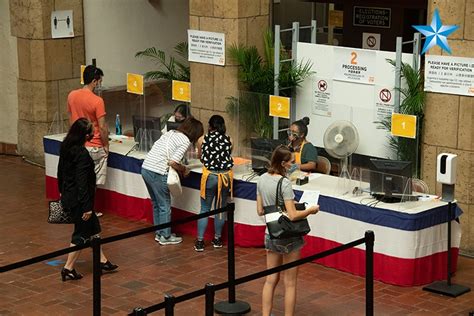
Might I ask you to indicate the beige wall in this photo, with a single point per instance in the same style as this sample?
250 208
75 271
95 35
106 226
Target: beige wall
449 119
116 29
8 79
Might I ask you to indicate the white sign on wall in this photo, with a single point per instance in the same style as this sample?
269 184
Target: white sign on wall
62 24
354 65
447 74
384 102
322 100
371 41
206 47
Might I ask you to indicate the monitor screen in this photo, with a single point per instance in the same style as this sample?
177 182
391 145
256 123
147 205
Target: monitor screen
146 130
390 177
261 151
172 125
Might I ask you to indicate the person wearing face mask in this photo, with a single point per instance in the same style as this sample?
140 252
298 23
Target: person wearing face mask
77 183
180 113
306 154
280 251
84 102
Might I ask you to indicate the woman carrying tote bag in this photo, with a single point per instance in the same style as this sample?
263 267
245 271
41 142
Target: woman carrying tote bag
280 251
167 152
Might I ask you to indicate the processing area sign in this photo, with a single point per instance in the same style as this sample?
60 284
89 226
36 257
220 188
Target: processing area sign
372 17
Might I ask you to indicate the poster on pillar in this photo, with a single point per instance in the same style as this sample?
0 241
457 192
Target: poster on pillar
448 74
206 47
354 65
62 25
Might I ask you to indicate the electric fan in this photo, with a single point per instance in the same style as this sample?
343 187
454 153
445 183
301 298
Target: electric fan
341 140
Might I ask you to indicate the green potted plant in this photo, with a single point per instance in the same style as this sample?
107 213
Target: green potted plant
413 103
256 73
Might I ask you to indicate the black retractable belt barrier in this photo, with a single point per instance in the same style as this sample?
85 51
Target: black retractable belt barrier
231 307
96 274
210 292
169 305
369 273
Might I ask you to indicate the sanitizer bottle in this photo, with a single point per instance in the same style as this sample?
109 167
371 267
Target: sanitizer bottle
118 125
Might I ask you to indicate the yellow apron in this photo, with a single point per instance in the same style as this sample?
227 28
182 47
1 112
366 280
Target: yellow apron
298 154
223 179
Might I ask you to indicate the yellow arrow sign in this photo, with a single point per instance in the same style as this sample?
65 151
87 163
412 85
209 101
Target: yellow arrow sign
181 91
403 125
134 83
279 106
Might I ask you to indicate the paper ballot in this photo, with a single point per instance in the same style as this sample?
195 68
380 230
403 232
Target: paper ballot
310 197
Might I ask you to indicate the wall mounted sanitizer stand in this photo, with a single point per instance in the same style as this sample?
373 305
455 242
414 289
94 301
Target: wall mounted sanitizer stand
446 287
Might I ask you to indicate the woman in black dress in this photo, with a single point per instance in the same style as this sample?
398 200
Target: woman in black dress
77 184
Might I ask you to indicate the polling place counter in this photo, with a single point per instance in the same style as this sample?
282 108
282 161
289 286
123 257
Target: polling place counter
410 238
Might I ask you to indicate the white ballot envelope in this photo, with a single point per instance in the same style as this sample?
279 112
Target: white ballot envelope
310 197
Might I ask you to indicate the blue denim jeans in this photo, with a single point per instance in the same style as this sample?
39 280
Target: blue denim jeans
160 198
206 204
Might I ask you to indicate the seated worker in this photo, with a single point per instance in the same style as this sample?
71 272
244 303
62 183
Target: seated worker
180 113
306 154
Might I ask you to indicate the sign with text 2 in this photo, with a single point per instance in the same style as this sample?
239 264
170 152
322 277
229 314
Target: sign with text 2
354 65
206 47
181 91
279 106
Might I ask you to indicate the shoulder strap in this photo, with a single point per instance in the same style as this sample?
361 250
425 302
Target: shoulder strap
278 192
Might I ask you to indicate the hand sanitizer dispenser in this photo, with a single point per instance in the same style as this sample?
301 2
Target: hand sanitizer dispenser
446 174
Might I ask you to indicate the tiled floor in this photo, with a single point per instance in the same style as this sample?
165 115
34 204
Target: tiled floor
148 270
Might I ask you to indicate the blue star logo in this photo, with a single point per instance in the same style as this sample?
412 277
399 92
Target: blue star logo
436 33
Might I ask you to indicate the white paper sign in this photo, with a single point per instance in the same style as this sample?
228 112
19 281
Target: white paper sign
310 197
322 97
447 74
354 65
206 47
384 102
62 24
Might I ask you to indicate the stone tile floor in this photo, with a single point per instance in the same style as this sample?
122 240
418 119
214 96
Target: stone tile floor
147 271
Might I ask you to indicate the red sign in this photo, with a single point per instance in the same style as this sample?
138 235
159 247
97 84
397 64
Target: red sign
322 85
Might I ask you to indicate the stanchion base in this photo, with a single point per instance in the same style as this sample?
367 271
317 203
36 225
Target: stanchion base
442 287
227 308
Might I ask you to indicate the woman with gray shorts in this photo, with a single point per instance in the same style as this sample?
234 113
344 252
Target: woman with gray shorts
280 251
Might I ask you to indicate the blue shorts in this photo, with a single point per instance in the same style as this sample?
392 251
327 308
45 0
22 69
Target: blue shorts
283 246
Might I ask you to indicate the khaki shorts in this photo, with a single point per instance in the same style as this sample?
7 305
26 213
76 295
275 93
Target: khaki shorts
99 157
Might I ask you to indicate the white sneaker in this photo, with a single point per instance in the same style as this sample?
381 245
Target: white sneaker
171 240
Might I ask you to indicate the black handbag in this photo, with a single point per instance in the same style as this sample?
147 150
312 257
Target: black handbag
58 214
278 224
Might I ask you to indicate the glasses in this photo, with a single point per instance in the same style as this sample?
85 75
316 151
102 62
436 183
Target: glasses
292 133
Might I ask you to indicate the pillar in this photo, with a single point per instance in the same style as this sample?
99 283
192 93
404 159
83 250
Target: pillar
47 70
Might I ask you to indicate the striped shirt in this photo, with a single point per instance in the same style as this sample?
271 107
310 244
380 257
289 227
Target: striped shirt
157 158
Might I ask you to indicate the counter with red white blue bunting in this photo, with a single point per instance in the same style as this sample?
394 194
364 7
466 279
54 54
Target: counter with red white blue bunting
410 237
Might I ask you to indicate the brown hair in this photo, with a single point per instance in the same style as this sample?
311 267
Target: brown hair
281 154
192 128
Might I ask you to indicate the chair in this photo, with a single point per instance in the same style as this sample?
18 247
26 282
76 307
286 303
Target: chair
323 165
419 185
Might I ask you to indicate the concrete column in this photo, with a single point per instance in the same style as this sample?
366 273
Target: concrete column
48 69
449 119
243 22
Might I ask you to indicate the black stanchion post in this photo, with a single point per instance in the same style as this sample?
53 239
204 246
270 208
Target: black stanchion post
169 305
96 273
138 311
369 272
210 291
232 306
445 287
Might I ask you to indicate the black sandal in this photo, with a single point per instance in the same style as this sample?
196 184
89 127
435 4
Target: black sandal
108 266
70 274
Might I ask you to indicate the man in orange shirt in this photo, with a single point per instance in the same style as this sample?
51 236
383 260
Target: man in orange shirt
85 103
